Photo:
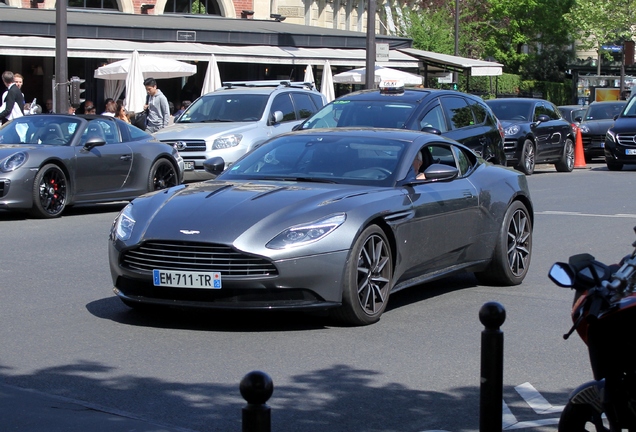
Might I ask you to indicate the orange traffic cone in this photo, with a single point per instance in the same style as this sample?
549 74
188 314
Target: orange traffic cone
579 155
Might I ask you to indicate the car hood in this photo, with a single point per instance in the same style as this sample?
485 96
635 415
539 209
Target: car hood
183 131
624 125
9 149
507 123
246 214
598 126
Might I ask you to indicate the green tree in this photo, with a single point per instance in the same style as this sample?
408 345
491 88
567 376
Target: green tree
601 22
198 8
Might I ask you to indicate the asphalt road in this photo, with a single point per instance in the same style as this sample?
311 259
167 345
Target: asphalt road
64 333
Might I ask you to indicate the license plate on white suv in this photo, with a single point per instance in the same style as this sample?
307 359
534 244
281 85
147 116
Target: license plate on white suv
188 165
186 279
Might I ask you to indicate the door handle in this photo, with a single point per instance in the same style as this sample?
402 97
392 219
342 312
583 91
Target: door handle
125 157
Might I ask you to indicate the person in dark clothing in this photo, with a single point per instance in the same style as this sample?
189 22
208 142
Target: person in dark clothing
12 99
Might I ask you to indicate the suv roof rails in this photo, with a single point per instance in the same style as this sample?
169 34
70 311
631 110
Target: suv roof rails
269 83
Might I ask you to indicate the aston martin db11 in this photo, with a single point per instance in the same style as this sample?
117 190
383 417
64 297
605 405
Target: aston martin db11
51 161
325 219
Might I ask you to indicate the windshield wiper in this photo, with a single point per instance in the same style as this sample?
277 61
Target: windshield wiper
218 120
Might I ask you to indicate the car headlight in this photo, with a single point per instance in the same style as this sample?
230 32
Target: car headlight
227 141
584 128
512 130
13 162
303 234
124 223
610 136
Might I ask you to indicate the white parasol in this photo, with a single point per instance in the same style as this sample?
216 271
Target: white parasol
135 90
212 80
358 76
326 84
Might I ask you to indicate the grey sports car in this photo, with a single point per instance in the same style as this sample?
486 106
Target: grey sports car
51 161
325 218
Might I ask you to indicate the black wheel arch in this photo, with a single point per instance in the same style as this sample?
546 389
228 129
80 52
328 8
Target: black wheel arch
70 180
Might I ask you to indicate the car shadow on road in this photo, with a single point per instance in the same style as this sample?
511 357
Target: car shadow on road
70 211
113 309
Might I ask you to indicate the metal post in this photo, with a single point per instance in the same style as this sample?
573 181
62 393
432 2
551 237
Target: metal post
61 59
492 315
256 388
455 74
370 67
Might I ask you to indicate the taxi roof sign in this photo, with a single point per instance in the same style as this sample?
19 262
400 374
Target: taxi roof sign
392 86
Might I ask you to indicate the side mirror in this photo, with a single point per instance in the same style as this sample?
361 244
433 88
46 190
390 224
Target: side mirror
441 172
276 118
93 142
543 118
562 275
214 166
432 130
578 119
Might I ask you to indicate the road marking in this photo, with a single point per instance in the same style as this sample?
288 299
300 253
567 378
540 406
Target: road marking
537 402
564 213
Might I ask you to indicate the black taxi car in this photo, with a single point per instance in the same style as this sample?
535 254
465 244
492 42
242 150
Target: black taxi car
620 139
459 116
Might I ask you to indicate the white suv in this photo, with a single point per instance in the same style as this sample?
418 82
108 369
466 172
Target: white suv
234 119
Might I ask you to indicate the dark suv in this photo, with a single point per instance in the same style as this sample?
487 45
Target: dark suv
535 133
459 116
620 140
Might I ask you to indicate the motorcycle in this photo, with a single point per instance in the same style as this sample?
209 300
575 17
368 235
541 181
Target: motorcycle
604 314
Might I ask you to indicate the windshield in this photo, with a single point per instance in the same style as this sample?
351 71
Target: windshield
225 107
604 111
345 159
345 113
511 110
630 108
40 129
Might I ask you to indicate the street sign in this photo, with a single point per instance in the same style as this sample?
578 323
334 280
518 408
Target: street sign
382 52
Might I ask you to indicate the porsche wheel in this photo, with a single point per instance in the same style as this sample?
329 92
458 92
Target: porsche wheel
526 161
368 274
566 163
162 175
511 258
49 192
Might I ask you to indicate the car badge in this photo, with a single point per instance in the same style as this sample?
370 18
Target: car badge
189 232
181 145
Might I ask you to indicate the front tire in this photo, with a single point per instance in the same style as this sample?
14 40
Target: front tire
566 163
511 258
49 192
368 275
162 175
614 166
575 418
526 160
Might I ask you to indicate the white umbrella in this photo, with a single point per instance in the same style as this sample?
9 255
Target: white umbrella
326 85
135 90
150 66
309 75
212 79
358 76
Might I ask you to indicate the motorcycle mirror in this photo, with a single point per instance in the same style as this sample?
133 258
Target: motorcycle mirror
562 275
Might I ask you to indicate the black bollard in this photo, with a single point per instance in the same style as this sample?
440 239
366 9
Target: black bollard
492 315
256 388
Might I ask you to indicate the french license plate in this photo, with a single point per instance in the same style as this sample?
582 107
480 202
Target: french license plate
186 279
189 165
631 152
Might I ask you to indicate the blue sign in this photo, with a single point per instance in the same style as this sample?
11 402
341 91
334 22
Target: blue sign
612 48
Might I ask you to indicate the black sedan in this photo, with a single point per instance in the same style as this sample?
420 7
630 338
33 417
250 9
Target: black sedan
51 161
325 219
535 133
595 122
620 140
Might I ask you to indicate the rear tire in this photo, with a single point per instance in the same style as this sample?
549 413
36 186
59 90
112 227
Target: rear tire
566 164
526 160
368 275
511 258
575 418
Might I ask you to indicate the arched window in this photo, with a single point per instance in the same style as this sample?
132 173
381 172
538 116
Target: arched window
93 4
202 7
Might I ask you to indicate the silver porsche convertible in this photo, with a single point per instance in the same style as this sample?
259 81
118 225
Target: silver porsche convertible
51 161
325 219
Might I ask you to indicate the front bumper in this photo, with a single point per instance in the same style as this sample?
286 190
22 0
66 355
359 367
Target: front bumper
593 145
623 150
311 282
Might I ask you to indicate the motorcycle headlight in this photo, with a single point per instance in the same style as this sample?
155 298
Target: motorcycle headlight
303 234
512 130
584 128
13 162
124 223
227 141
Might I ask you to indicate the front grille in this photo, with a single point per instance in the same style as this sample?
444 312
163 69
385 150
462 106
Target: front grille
626 140
590 140
190 145
202 257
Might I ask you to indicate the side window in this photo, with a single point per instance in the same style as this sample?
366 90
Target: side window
304 105
463 162
316 98
551 111
458 111
283 103
480 111
434 118
105 130
540 109
136 134
442 154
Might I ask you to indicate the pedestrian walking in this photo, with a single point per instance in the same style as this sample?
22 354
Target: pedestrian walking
12 99
157 107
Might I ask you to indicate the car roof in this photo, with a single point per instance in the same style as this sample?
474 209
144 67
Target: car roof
409 95
515 100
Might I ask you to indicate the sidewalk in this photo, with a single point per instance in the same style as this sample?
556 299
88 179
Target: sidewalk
23 410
